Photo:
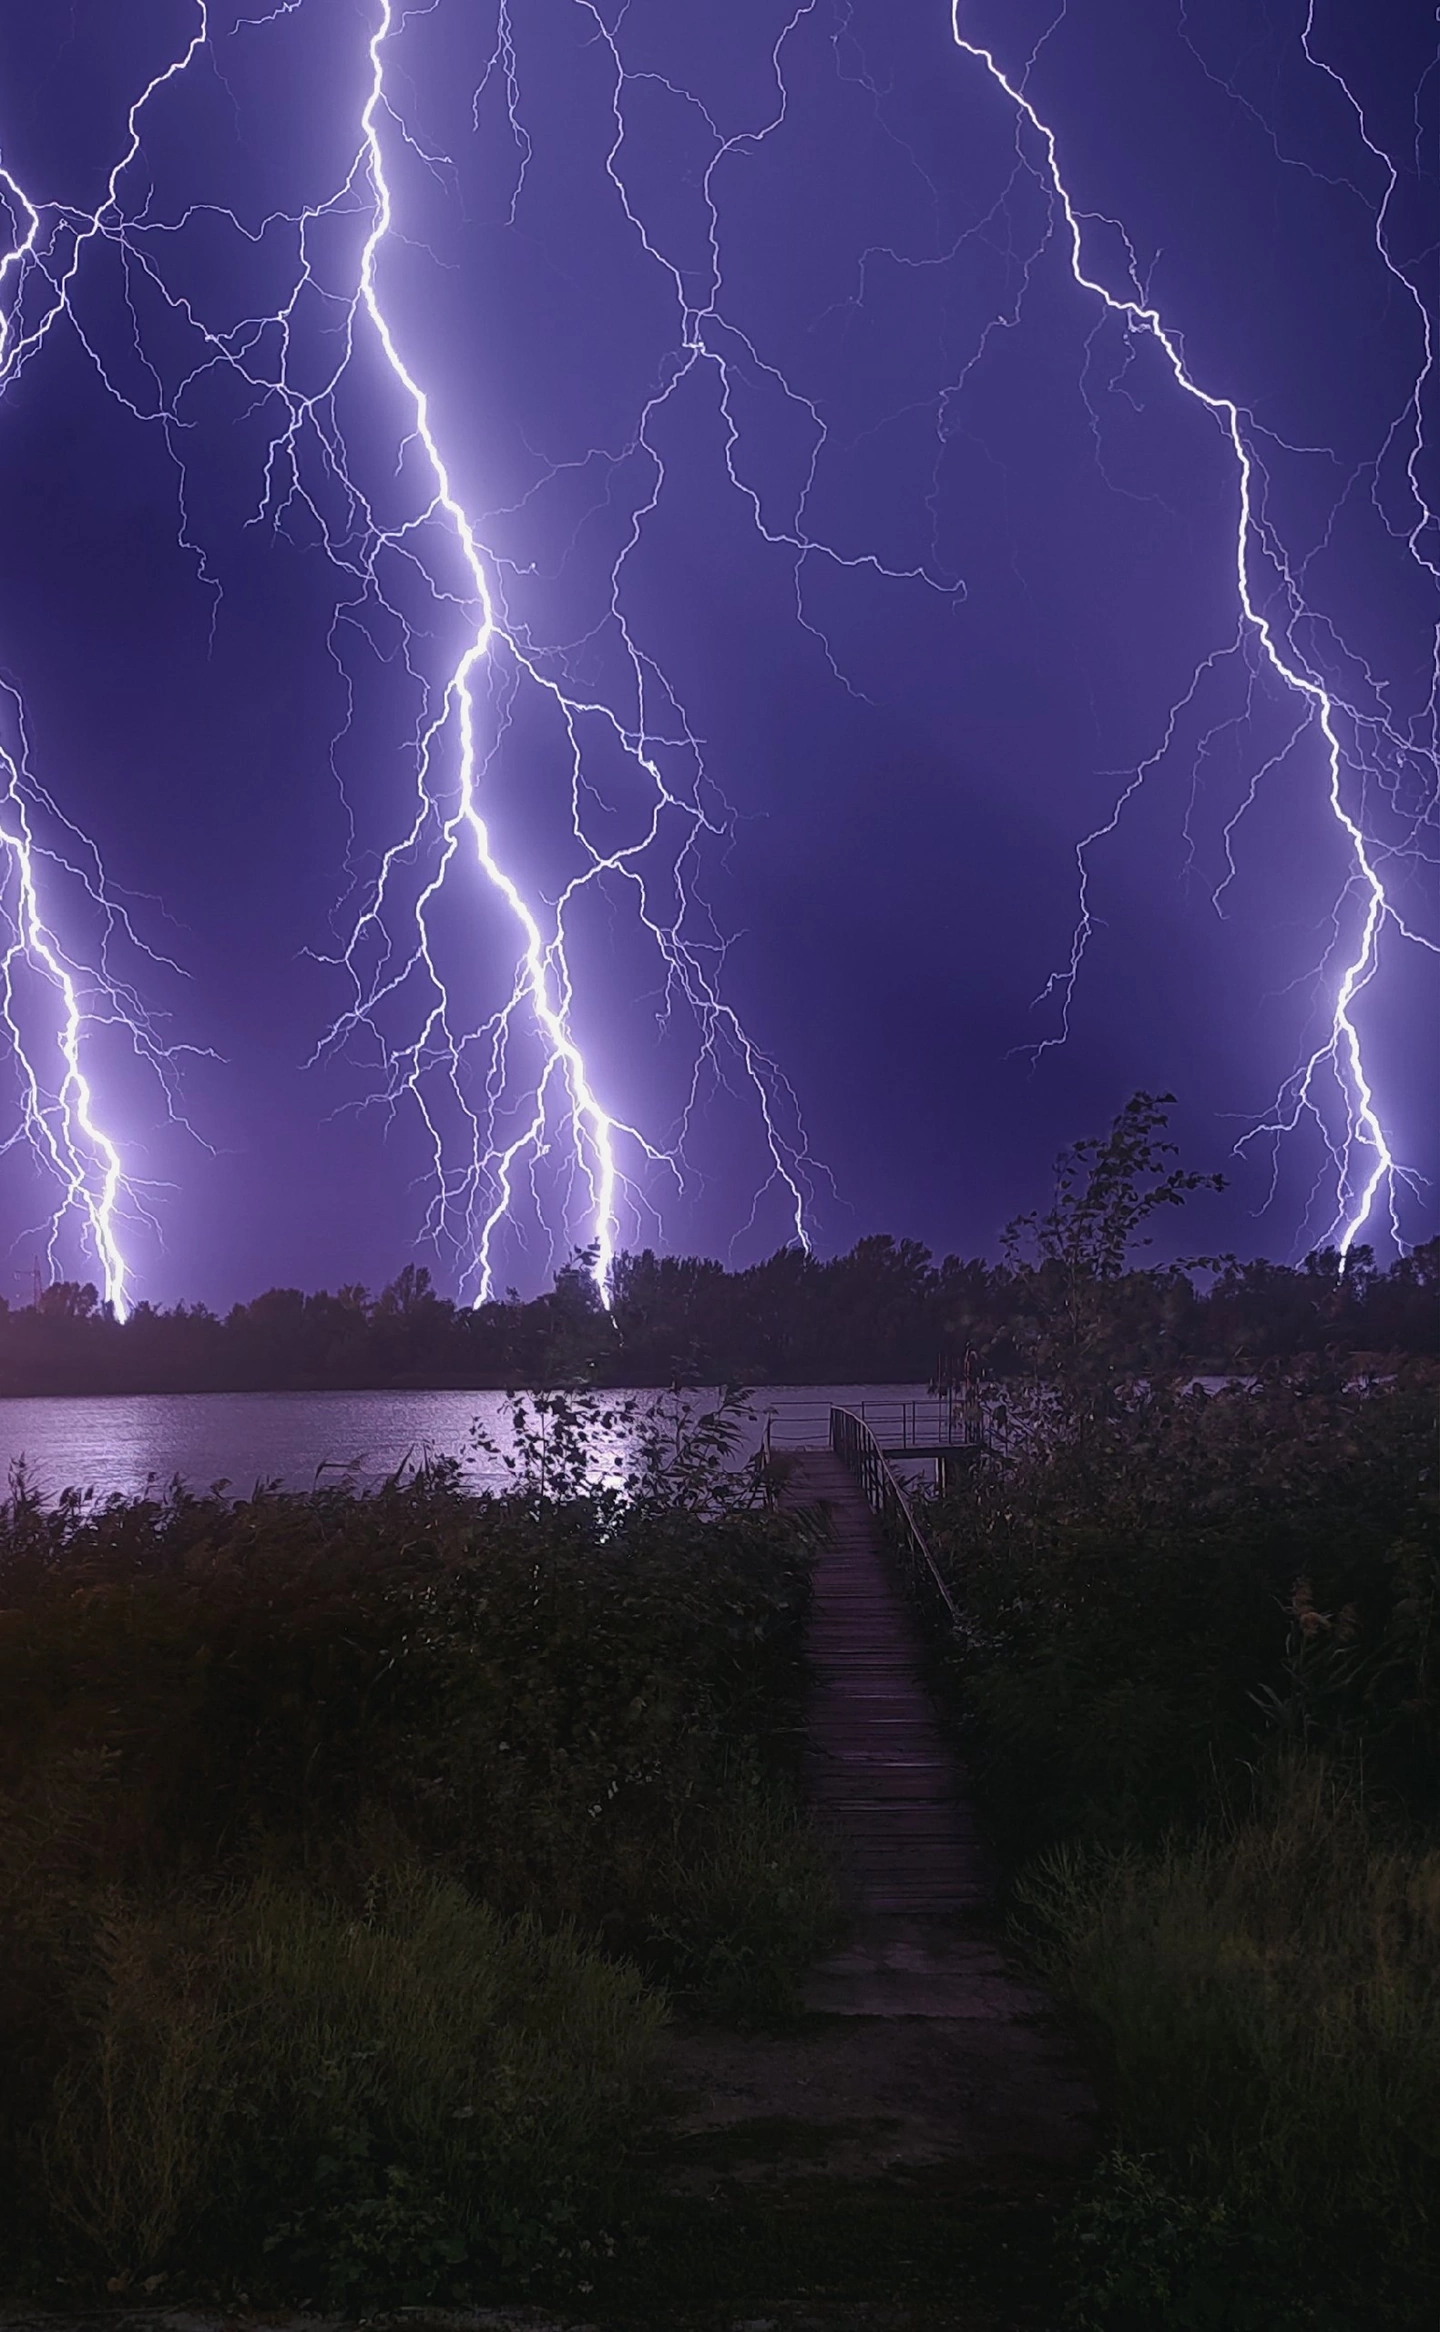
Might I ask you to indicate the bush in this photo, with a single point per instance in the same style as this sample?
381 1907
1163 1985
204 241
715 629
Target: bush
1196 1663
1140 2251
535 1690
371 2107
324 1822
1127 1590
1265 2000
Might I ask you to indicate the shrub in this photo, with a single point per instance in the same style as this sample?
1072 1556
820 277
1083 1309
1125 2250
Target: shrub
1127 1592
353 2104
323 1821
1140 2251
1266 2002
535 1691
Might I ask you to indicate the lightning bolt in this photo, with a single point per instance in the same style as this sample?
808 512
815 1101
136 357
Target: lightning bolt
483 1193
1272 612
491 1129
520 1121
653 741
54 1005
516 1118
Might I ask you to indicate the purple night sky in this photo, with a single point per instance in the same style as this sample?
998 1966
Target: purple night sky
877 754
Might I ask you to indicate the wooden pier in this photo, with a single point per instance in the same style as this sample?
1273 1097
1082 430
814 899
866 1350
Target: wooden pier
878 1767
885 1779
930 2056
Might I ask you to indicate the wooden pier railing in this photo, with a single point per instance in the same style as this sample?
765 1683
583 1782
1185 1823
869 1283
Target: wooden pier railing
859 1451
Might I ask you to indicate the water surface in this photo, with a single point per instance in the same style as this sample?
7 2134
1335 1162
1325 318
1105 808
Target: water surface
126 1441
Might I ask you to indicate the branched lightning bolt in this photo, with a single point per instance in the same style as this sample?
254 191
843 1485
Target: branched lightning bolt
544 986
508 1097
1361 746
512 1113
52 1002
653 731
513 1106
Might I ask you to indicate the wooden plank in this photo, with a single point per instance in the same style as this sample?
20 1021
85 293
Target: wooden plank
880 1771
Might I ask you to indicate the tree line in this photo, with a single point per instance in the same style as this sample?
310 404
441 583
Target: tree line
886 1312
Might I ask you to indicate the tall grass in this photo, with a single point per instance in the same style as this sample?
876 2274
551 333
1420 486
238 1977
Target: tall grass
1198 1676
1265 2003
332 2102
753 1905
348 1849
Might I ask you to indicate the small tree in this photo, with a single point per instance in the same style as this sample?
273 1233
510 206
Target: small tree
1079 1314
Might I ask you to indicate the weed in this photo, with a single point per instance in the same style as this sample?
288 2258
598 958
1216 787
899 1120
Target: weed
415 2094
755 1904
1139 2251
1266 2002
325 1825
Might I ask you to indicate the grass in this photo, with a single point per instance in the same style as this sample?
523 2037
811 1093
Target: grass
1265 2000
337 2105
1197 1677
351 1850
753 1907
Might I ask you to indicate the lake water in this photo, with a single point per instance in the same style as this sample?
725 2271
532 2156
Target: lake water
121 1442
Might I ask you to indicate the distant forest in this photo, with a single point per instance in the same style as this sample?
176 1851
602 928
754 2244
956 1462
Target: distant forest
885 1313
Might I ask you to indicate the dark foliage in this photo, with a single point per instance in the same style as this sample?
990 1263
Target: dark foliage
1130 1594
885 1313
344 1841
1196 1668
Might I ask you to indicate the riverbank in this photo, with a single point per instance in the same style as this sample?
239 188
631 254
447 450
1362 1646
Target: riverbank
351 1848
1196 1681
408 1899
434 1910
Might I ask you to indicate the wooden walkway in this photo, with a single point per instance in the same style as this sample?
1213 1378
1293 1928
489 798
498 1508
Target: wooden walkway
879 1769
929 2051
